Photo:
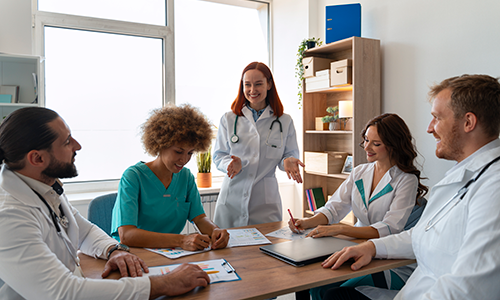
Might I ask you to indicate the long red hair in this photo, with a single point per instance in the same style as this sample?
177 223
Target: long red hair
272 95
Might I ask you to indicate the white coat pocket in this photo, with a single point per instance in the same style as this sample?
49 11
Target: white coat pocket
274 152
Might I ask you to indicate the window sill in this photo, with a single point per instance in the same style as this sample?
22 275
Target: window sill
84 197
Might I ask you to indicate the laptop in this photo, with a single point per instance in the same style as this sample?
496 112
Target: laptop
306 251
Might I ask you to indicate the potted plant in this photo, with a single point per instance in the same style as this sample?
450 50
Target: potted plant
204 163
299 67
332 118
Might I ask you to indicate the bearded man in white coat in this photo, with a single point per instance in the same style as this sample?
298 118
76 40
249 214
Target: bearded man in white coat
40 232
457 239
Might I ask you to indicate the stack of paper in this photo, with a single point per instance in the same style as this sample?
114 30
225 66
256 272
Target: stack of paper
246 237
286 233
174 253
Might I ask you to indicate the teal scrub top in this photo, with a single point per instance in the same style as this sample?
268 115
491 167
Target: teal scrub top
144 202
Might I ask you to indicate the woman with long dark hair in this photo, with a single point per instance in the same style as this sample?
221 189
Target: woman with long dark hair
381 193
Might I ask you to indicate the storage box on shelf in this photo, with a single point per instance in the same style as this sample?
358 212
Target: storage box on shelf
319 125
341 72
324 162
22 72
314 64
363 91
319 82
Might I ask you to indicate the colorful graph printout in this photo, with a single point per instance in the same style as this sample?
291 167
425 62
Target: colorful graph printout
286 233
219 270
174 253
246 237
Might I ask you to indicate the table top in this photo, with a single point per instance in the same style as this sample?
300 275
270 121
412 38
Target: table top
262 276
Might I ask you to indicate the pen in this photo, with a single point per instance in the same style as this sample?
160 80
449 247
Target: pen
199 232
196 228
293 220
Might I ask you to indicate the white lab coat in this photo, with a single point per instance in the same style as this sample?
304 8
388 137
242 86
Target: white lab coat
387 209
34 261
458 258
252 196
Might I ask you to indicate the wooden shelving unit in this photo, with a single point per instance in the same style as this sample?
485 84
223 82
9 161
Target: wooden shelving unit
365 94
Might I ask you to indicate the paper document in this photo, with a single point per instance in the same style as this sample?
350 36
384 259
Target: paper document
218 270
174 253
246 237
286 233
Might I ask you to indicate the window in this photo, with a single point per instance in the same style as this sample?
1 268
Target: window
104 77
104 94
109 62
214 41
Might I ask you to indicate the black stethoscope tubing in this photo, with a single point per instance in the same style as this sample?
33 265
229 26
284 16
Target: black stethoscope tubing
461 194
55 220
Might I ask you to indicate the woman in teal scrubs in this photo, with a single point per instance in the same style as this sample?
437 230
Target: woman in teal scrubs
156 198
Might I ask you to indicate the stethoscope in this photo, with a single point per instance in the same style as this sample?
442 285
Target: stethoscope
63 220
235 138
461 194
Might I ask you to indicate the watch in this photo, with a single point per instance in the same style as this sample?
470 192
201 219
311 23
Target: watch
118 247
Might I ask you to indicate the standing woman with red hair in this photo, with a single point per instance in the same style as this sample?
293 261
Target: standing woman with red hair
253 139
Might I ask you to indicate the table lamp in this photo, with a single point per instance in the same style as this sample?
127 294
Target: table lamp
345 113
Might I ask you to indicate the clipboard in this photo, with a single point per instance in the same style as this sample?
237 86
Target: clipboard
219 270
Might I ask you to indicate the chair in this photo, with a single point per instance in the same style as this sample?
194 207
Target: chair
100 209
418 209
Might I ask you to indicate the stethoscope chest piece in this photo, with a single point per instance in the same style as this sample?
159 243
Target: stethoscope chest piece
234 138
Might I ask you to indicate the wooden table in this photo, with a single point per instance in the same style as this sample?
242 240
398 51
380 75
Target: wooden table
262 276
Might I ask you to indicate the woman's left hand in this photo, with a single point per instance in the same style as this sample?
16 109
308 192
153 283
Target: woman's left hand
326 230
220 238
291 165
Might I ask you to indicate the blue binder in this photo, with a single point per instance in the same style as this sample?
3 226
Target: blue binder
342 21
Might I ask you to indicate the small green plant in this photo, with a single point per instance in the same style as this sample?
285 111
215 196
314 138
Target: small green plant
334 111
204 161
299 67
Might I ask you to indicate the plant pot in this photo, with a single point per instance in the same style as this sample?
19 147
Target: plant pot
204 180
333 126
310 44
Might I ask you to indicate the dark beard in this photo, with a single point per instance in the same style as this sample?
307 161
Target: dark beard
58 169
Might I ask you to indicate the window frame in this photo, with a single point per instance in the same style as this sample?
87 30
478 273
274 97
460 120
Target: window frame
40 19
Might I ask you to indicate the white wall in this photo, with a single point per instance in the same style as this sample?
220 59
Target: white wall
290 27
15 26
424 42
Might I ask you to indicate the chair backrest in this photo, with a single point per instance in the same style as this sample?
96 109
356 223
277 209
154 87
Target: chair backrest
379 278
100 210
416 213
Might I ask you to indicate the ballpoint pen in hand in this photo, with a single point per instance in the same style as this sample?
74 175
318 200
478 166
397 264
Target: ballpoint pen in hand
196 228
199 232
293 220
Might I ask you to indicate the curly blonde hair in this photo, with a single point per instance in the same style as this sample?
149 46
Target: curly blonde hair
171 125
